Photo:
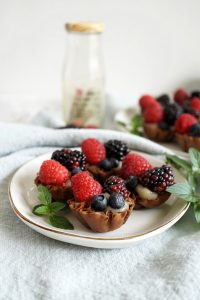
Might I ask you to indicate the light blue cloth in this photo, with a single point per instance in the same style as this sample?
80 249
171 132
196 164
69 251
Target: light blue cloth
33 266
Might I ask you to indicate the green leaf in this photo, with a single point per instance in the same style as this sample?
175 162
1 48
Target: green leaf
136 125
197 211
41 210
56 206
178 162
44 195
60 222
195 158
183 191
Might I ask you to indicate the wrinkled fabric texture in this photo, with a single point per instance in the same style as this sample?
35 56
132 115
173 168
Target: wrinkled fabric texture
33 266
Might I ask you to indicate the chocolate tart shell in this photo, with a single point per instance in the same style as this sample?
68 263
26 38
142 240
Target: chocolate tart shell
186 141
59 193
100 221
162 197
153 132
100 174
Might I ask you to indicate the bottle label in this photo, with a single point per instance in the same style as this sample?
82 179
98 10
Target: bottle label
87 107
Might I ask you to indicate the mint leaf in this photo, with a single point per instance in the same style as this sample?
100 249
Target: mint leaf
178 162
197 211
41 210
44 195
136 125
195 158
56 206
183 191
60 222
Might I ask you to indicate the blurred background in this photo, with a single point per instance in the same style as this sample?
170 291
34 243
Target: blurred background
149 46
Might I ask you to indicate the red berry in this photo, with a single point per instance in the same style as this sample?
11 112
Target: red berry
180 96
134 165
184 122
195 104
154 114
52 172
94 151
91 126
85 187
115 184
146 101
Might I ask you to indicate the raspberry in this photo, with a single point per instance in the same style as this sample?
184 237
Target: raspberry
195 104
184 122
116 149
85 187
180 96
153 114
146 101
52 172
134 165
70 159
115 184
94 151
157 179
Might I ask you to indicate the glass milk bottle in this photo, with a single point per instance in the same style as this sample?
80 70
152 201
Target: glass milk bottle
83 80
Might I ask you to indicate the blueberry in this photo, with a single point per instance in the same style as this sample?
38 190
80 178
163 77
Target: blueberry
116 200
163 99
195 130
114 162
99 202
164 126
195 94
105 165
131 183
75 171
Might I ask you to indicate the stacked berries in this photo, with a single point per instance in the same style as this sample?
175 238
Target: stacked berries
70 168
180 117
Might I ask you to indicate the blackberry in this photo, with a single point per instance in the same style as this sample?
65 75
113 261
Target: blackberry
163 99
164 126
116 149
195 130
71 159
195 94
157 179
171 112
115 184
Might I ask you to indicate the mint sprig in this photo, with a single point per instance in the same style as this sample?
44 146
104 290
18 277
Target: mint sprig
189 191
136 125
49 208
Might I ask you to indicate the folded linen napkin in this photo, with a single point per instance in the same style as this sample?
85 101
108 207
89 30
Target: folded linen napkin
35 267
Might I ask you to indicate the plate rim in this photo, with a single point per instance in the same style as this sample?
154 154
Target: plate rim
108 239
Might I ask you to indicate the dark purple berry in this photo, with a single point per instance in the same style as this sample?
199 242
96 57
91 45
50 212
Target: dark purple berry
116 149
99 202
116 201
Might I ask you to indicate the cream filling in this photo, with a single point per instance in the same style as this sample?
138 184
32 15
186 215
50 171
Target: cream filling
119 210
145 193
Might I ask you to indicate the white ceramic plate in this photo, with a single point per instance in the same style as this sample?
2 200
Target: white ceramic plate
140 225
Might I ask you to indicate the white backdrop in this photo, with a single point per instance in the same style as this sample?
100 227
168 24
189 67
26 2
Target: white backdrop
149 46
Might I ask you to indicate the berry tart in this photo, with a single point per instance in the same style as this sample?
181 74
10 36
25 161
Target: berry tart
104 160
158 117
56 178
148 184
102 209
188 132
56 173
